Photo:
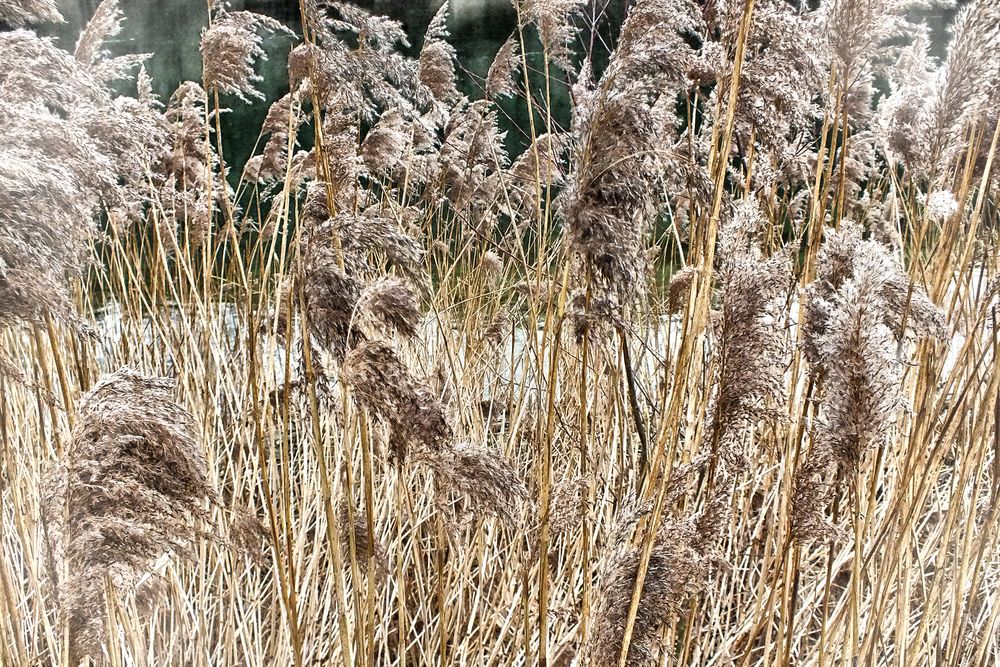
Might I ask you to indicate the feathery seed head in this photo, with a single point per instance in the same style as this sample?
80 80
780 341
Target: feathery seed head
500 77
385 387
229 48
436 65
19 13
390 302
132 482
485 478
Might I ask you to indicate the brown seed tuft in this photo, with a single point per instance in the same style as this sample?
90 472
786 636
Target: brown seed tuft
130 488
385 387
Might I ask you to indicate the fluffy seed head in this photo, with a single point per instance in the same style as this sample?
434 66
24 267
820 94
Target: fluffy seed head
750 341
20 13
229 48
385 387
128 490
436 66
500 77
390 302
941 205
488 481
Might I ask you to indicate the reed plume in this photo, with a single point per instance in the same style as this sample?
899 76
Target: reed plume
681 558
65 158
391 303
229 48
384 386
679 288
19 13
618 147
91 48
902 114
749 332
500 77
283 117
385 144
554 21
190 188
904 306
471 157
436 65
331 292
567 507
489 482
368 548
856 314
132 486
541 164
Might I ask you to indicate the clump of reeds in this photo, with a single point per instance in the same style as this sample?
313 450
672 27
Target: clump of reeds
389 281
56 168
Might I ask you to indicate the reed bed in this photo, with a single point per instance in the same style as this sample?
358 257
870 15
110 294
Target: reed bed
393 396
